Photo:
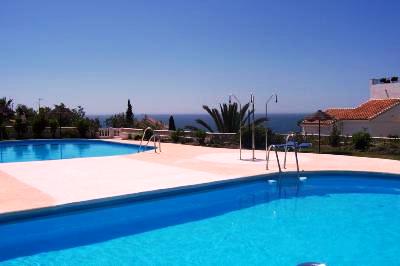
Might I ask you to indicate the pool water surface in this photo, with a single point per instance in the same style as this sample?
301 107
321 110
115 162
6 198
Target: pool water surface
335 218
39 150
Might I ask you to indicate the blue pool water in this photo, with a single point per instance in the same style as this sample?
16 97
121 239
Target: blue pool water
336 218
38 150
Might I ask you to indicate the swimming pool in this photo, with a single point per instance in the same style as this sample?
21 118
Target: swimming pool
38 150
336 218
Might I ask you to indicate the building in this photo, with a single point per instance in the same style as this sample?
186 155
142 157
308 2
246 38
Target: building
379 116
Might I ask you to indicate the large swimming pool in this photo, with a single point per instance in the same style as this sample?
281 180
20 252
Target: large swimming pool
38 150
335 218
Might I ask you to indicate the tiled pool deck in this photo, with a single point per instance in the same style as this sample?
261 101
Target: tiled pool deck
38 184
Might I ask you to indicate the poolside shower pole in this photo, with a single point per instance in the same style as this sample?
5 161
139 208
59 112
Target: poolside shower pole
266 118
253 145
240 122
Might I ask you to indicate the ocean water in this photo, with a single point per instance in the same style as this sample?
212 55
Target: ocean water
280 123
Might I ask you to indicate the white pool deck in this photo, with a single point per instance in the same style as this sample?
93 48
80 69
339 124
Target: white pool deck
39 184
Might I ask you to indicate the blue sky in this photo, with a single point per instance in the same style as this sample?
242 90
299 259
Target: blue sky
175 56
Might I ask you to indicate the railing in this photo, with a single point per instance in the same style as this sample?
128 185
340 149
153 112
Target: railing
144 134
275 147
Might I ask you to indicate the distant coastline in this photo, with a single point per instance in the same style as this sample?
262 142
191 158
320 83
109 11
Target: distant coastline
280 123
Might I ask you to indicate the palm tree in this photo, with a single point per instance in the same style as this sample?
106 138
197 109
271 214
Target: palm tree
6 110
228 118
6 113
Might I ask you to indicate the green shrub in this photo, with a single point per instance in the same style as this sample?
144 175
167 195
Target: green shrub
176 135
361 140
21 127
334 138
54 125
83 127
201 136
39 124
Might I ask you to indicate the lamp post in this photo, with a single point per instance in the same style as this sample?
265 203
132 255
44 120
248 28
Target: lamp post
266 117
39 101
240 122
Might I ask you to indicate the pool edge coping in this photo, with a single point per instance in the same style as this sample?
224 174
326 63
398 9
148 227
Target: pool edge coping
16 216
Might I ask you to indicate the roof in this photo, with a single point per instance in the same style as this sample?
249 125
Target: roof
366 111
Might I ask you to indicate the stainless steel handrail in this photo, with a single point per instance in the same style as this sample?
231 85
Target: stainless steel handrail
277 158
154 136
144 134
276 154
290 135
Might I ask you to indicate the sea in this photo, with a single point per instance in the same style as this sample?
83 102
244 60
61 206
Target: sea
279 123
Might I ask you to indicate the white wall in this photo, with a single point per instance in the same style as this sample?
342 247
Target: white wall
378 91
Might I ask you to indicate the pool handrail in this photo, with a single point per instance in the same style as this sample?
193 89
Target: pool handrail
144 134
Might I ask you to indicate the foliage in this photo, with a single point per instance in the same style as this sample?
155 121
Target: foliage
83 126
54 125
171 123
259 137
228 118
39 125
117 120
65 116
6 113
177 135
150 122
334 138
129 115
201 136
26 113
21 127
94 125
361 140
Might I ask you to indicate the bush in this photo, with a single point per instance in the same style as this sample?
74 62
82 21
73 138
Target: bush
3 132
361 140
83 127
39 125
334 138
176 135
21 127
54 125
201 136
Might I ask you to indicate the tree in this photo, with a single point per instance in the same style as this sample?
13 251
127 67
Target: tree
117 120
6 110
83 126
21 127
6 113
171 124
129 115
54 125
334 138
39 125
361 140
228 118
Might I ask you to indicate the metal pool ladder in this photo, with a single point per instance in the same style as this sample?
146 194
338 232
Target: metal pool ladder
154 138
275 148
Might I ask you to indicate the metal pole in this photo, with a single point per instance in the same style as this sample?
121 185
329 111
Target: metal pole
253 145
319 136
240 123
266 128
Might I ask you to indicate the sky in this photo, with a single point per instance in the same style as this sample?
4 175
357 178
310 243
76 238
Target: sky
174 56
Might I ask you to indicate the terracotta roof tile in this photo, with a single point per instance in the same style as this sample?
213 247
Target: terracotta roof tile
366 111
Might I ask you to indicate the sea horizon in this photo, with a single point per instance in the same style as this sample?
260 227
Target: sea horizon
278 122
